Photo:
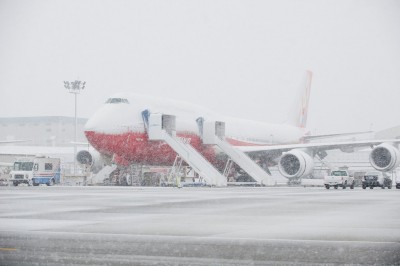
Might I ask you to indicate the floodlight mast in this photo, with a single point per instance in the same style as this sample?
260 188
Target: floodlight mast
75 87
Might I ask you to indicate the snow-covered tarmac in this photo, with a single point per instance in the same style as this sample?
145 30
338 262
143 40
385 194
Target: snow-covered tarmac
198 226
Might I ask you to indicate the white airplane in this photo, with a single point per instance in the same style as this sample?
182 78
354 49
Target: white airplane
118 130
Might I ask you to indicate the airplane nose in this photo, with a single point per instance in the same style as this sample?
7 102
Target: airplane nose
110 118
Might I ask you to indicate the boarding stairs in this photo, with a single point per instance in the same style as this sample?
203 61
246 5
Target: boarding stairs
245 162
162 127
195 160
228 167
103 174
174 174
213 132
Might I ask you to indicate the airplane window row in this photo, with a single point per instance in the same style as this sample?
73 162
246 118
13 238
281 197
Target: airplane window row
117 100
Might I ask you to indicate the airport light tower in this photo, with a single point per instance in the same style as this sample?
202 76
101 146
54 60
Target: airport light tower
75 87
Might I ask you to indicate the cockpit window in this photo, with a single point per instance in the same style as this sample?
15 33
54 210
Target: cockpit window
117 100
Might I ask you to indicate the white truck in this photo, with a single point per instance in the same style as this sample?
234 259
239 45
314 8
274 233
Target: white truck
339 178
36 171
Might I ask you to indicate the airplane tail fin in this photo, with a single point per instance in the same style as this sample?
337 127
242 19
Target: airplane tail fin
298 115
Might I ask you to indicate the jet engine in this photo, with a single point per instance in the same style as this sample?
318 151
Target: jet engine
384 157
296 164
85 157
92 159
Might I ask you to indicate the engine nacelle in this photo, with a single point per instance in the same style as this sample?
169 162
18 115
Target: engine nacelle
85 157
296 164
385 157
92 159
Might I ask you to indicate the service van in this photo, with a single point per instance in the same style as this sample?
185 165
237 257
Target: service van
36 171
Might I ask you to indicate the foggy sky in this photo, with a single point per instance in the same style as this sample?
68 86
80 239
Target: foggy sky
241 58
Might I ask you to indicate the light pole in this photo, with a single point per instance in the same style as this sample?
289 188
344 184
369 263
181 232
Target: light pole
75 87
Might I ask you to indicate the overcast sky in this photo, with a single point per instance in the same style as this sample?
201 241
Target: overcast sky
241 58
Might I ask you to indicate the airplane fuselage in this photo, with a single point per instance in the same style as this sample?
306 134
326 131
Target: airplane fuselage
118 129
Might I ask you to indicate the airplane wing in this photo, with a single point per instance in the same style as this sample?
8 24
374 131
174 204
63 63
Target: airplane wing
296 160
345 145
77 143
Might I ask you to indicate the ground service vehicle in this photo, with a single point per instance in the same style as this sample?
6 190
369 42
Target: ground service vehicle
339 178
376 179
36 171
3 182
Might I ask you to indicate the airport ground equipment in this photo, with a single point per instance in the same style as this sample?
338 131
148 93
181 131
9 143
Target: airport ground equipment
228 167
161 127
36 171
103 174
174 173
339 178
213 132
376 179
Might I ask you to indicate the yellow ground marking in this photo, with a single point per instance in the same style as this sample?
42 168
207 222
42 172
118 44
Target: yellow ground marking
8 249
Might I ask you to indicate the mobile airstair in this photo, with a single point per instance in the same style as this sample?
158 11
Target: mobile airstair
103 174
213 132
162 127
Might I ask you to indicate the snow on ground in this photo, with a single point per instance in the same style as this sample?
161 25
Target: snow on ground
296 215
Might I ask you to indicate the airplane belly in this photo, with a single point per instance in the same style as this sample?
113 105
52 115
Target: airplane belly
135 147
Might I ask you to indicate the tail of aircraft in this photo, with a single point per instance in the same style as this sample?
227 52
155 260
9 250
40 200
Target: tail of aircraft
298 115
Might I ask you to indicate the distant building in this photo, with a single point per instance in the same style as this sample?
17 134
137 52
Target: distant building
42 130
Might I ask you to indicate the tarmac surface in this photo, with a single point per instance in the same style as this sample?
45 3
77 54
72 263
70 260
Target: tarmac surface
198 226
